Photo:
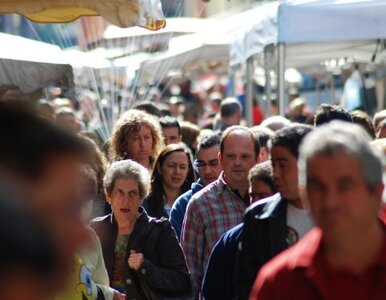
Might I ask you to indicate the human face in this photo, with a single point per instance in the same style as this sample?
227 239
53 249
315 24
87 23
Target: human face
140 145
125 199
285 173
171 135
340 200
57 202
174 170
238 158
208 164
259 190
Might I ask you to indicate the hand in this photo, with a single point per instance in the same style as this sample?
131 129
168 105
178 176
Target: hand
135 260
119 296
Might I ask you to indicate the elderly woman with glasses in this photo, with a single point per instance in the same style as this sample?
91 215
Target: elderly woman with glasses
143 257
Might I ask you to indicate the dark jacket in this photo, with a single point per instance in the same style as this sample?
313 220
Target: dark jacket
164 270
263 237
177 213
218 282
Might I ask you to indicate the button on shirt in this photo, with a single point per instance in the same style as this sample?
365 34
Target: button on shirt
210 213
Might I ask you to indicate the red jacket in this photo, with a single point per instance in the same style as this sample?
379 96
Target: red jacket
301 272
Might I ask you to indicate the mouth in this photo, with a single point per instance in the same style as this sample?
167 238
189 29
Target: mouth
176 179
125 210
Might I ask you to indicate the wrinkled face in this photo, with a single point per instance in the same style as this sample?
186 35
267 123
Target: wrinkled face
208 164
285 173
259 190
57 202
340 200
171 135
140 145
238 158
174 170
125 199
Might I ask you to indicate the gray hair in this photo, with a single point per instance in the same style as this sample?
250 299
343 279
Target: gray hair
341 137
127 169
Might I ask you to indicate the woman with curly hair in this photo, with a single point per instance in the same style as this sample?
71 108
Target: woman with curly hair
172 176
137 136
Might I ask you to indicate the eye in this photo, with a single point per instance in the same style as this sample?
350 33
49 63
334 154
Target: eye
245 156
230 156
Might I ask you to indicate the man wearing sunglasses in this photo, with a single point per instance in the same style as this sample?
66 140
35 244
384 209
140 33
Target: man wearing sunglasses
208 168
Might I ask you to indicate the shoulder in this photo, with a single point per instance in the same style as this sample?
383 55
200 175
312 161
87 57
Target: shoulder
265 207
300 256
205 194
233 233
101 220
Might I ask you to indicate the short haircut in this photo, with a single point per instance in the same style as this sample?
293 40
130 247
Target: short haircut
363 119
170 122
290 137
229 107
262 172
327 112
243 129
211 140
29 142
341 138
127 169
263 134
149 108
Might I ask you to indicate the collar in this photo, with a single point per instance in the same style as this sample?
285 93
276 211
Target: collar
308 252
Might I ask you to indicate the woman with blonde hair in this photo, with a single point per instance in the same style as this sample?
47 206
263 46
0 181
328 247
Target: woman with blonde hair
137 136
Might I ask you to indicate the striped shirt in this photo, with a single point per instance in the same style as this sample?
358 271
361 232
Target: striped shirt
210 213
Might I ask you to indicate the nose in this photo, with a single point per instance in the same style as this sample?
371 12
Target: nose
276 172
237 161
330 199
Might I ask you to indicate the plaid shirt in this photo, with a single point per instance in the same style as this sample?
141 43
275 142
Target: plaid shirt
210 213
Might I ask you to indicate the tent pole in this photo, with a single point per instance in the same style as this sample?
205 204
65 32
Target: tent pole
267 71
281 78
249 91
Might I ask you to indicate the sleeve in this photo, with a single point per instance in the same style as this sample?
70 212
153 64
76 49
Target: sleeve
192 240
172 274
177 216
247 259
216 273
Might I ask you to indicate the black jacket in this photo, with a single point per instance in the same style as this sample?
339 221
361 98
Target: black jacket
164 270
263 237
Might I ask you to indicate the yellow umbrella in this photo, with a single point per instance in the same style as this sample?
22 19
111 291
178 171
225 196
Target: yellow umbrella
123 13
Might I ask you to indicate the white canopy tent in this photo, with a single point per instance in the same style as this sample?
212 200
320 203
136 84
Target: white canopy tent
311 31
209 46
31 65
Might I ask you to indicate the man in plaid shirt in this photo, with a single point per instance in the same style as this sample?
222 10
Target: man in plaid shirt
220 205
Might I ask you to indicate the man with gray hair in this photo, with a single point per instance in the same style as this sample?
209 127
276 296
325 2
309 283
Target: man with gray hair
344 256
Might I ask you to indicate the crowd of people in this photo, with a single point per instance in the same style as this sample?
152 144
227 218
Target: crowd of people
174 208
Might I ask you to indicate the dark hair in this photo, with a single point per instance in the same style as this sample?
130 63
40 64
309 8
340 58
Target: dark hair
263 134
209 141
170 122
28 142
290 137
327 112
229 107
155 199
245 130
149 108
363 119
262 172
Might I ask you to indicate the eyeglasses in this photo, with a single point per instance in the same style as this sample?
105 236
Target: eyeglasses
202 164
